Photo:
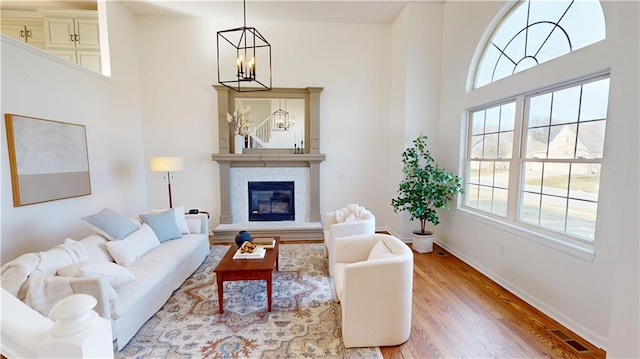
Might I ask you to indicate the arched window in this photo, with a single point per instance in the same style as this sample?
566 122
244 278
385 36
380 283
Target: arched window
534 32
533 156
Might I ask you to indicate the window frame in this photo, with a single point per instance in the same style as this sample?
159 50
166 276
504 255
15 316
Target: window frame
571 244
507 15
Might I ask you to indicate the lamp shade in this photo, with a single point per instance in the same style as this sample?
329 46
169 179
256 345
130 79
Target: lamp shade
166 164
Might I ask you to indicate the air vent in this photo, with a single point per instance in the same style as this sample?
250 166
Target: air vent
569 340
441 254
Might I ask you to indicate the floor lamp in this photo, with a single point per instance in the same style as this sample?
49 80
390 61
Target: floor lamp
168 165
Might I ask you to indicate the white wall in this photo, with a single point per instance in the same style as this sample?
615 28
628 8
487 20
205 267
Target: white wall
351 62
38 85
576 292
415 95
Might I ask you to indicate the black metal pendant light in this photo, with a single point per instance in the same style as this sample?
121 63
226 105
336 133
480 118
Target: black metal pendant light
280 118
244 58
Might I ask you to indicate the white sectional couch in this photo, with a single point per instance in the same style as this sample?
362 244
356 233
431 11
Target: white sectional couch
127 294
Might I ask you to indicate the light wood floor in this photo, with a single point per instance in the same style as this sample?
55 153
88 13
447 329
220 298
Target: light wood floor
460 313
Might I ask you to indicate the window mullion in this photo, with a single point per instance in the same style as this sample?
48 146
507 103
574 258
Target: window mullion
515 164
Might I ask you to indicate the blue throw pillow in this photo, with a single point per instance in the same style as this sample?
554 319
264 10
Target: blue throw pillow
163 224
110 224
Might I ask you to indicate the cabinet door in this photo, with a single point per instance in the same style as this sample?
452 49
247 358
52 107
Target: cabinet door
88 34
59 33
35 34
16 31
69 55
90 59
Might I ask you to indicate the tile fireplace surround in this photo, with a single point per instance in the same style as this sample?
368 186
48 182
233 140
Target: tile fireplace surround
237 170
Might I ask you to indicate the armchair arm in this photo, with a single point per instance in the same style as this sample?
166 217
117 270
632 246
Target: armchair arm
377 301
97 288
328 218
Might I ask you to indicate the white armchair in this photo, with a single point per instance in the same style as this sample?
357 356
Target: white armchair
373 279
341 223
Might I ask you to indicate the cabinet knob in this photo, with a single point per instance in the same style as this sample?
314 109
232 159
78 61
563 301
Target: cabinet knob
71 36
22 33
76 37
29 33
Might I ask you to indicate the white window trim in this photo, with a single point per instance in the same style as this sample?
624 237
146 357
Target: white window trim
577 247
537 236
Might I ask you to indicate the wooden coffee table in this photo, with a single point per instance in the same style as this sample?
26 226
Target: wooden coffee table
230 269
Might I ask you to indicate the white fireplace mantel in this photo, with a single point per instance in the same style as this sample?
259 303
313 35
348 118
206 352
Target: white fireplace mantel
226 161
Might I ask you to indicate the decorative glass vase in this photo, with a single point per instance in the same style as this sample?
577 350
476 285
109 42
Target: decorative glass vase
243 236
238 144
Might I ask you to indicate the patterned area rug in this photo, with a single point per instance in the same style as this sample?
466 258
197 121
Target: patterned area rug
304 322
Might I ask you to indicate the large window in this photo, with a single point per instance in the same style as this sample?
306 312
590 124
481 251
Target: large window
534 152
557 154
490 153
534 32
561 161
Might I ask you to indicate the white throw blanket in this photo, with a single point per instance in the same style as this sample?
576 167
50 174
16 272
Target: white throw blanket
31 277
351 212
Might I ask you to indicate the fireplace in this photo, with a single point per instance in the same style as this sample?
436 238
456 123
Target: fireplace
271 201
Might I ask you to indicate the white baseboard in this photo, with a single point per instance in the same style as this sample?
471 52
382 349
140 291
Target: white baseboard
517 291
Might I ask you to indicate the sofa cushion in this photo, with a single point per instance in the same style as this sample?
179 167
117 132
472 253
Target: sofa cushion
127 251
111 224
116 275
163 224
380 250
153 269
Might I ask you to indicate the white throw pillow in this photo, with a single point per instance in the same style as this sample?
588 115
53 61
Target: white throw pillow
125 252
115 274
379 251
96 247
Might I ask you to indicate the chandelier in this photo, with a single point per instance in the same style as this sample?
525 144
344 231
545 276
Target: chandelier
280 118
244 58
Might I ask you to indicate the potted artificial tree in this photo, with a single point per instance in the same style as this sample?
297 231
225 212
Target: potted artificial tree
425 188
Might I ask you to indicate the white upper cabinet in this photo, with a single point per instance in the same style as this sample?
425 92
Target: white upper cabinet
24 26
72 32
74 36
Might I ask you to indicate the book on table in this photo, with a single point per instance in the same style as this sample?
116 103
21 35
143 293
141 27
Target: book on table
258 253
267 242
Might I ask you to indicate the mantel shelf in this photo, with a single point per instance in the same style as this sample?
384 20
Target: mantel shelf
268 160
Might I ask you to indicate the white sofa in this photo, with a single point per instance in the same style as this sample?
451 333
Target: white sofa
373 280
349 221
158 273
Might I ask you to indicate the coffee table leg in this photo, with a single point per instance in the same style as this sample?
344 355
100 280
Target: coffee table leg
269 291
220 291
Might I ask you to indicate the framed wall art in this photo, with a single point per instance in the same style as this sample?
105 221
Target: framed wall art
48 159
